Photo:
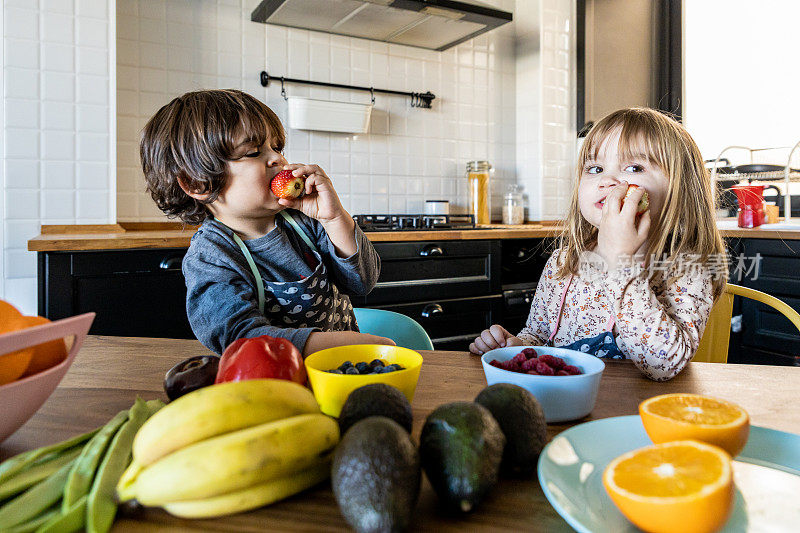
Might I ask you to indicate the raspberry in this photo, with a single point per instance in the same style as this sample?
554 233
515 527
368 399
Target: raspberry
544 369
496 363
562 373
530 364
519 358
556 362
529 352
572 370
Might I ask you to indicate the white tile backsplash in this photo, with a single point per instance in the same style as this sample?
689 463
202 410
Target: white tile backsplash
77 72
404 143
57 73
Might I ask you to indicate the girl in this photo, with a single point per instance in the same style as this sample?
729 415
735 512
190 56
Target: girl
622 285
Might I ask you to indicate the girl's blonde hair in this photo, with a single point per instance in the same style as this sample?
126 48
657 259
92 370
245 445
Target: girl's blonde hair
687 223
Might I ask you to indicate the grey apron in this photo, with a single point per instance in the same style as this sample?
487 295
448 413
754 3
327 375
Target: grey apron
312 302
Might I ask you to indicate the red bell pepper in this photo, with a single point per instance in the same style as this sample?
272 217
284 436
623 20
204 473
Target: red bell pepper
261 357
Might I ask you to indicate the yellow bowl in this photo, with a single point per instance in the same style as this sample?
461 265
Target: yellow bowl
331 390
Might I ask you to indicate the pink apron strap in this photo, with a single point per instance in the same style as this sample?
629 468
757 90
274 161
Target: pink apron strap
611 322
560 309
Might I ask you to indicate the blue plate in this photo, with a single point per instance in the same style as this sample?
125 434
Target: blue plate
766 475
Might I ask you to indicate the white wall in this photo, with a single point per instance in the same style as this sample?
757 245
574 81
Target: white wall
58 115
740 75
62 101
410 155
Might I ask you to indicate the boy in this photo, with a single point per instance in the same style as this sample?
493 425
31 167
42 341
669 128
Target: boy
253 268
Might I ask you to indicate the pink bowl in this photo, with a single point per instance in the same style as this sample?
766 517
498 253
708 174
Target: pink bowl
22 398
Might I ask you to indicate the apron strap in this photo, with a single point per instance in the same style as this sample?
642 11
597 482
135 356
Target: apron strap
300 231
560 309
611 321
252 264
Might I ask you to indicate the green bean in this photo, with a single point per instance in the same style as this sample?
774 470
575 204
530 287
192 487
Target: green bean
34 524
101 505
83 470
34 500
73 519
11 466
34 474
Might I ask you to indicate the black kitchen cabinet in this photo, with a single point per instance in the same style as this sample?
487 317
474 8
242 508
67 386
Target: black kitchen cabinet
451 287
135 293
455 289
768 337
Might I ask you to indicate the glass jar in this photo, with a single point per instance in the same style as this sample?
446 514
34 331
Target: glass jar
513 207
479 191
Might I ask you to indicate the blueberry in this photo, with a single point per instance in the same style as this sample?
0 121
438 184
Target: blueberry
378 370
376 363
388 369
395 366
335 371
351 370
362 367
344 366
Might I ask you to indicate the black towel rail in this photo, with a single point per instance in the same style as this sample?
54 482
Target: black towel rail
421 100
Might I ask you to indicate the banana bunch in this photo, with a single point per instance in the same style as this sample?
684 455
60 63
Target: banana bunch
229 448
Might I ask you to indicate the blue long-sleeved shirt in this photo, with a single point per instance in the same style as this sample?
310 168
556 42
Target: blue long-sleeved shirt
222 299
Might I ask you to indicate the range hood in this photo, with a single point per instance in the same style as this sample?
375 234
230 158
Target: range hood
432 24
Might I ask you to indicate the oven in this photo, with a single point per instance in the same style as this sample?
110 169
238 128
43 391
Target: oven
452 288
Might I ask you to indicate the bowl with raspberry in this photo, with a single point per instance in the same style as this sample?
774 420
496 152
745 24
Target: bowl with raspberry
564 381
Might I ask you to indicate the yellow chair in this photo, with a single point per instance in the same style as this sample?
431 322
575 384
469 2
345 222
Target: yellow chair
714 344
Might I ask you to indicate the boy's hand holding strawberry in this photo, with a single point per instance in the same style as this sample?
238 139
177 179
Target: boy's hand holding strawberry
619 235
320 201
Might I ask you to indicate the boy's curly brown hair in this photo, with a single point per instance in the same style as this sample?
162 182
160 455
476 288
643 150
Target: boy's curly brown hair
190 140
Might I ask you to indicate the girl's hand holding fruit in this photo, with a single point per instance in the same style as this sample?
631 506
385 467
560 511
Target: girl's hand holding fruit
494 337
619 235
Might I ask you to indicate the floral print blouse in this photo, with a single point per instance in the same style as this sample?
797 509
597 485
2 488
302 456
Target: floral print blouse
658 326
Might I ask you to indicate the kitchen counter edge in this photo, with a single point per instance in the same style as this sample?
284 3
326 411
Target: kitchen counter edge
122 236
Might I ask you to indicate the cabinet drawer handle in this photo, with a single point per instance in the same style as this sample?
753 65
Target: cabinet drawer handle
431 250
431 310
171 263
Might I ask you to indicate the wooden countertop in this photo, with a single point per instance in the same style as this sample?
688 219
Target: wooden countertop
101 383
123 236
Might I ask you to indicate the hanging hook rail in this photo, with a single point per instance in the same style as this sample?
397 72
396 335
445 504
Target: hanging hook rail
422 100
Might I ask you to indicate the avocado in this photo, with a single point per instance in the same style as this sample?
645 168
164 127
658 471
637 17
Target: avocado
461 447
376 476
522 420
376 399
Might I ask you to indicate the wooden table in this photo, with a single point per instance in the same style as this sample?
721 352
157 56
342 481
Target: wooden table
110 372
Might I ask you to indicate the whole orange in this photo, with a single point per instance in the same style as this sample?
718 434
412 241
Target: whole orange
46 355
13 364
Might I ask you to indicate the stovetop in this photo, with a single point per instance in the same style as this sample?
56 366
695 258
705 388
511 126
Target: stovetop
414 222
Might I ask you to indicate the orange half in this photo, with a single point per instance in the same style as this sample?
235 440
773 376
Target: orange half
684 486
682 416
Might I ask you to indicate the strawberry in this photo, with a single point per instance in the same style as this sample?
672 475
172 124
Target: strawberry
644 203
285 185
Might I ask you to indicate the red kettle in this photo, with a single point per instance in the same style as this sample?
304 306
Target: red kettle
751 205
